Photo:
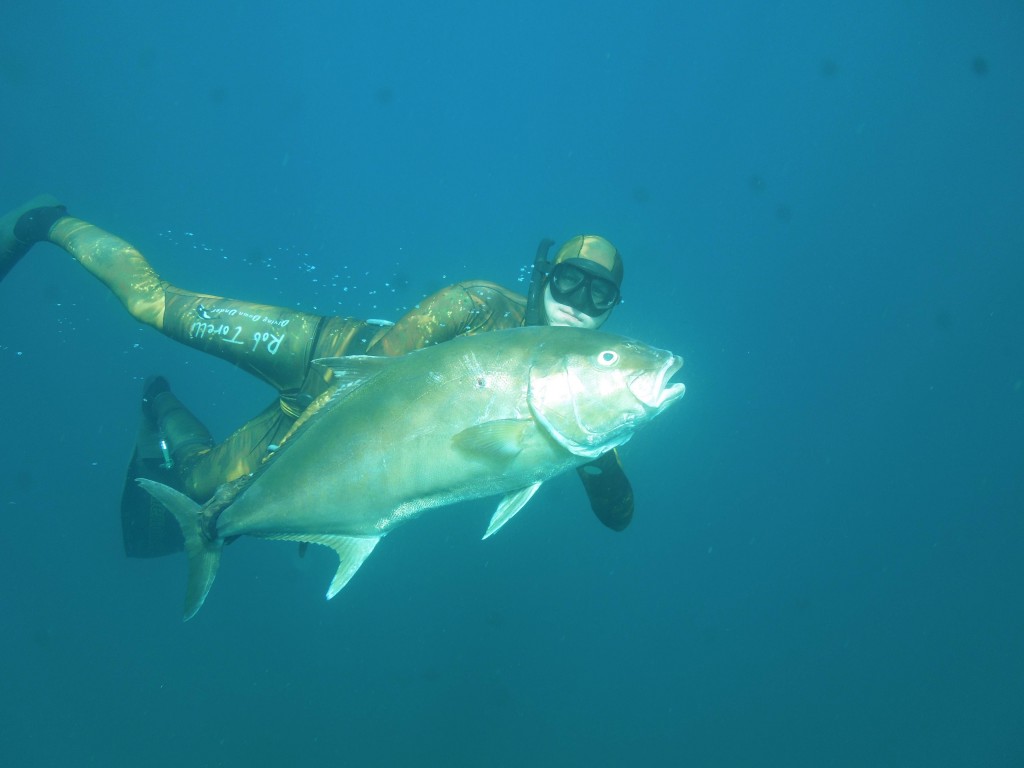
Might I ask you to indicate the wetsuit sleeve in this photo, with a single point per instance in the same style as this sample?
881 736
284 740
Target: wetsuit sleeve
609 490
458 310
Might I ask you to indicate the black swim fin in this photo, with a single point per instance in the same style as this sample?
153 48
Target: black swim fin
147 528
609 490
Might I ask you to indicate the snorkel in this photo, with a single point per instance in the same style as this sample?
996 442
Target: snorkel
535 296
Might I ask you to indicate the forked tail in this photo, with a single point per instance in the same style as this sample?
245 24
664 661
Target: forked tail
203 554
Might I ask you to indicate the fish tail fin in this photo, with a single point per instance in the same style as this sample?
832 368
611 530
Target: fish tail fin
203 553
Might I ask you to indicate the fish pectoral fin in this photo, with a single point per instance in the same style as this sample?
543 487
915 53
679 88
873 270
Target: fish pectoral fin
352 551
499 441
509 506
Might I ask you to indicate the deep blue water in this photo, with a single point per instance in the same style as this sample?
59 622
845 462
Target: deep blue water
820 209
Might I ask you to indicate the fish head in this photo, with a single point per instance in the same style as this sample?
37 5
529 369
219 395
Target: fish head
591 390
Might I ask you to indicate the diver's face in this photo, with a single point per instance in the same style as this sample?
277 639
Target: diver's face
562 314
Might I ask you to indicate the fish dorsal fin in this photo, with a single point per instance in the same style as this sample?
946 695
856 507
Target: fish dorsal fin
352 551
509 506
499 441
346 374
307 416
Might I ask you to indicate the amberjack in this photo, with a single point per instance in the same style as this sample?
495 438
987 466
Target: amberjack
497 413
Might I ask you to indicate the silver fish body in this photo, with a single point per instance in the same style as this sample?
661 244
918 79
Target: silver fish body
493 414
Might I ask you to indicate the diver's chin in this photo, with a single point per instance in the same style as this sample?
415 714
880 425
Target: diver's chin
570 318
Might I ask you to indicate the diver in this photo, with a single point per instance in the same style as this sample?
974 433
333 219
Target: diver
579 287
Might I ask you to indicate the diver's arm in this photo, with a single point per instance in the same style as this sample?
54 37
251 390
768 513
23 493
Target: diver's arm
440 317
609 490
473 306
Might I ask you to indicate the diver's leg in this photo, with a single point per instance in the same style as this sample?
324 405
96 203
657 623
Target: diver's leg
183 436
272 343
25 226
117 264
241 454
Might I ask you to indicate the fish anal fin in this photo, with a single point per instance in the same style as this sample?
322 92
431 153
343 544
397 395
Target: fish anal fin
352 552
509 506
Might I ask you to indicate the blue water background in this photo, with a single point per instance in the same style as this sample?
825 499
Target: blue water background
820 207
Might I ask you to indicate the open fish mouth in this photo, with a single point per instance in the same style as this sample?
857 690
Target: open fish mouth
655 390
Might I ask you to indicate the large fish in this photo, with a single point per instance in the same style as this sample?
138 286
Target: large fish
496 413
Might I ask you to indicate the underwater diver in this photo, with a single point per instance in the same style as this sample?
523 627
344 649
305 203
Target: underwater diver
578 288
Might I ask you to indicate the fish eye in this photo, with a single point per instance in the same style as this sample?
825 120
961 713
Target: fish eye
608 357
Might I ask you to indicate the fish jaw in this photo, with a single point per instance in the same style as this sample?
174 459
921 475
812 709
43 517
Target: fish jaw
654 390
